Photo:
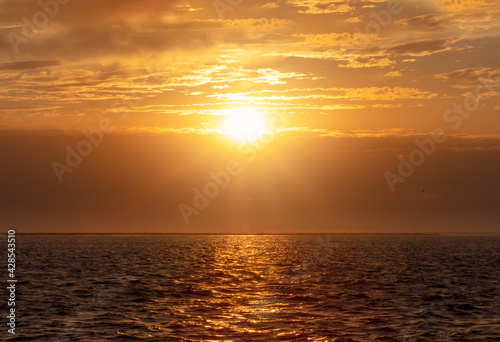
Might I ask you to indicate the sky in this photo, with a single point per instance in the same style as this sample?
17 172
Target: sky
120 116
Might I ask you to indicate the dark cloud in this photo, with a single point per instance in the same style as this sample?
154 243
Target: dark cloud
427 20
471 74
26 65
420 48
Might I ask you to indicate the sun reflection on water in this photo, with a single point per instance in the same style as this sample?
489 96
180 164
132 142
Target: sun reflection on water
251 293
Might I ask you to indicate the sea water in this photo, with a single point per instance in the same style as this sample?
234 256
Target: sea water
257 288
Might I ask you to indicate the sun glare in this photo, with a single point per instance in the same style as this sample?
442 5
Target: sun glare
245 125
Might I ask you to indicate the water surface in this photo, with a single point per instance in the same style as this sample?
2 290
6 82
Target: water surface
258 288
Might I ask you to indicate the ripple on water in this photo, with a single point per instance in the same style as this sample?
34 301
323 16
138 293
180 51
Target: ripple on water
259 288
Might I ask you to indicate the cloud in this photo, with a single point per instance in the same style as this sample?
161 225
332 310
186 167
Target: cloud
465 5
92 53
471 74
210 74
472 18
353 20
160 130
393 132
393 74
352 94
28 65
319 7
30 109
368 62
270 5
252 24
93 41
432 20
344 39
421 48
114 12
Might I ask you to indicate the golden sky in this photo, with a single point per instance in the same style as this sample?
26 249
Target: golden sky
358 81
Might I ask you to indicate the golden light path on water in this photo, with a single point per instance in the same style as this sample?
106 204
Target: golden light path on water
251 263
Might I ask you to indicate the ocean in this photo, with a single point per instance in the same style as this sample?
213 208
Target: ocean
257 288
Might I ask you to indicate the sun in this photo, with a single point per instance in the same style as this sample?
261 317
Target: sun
245 125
